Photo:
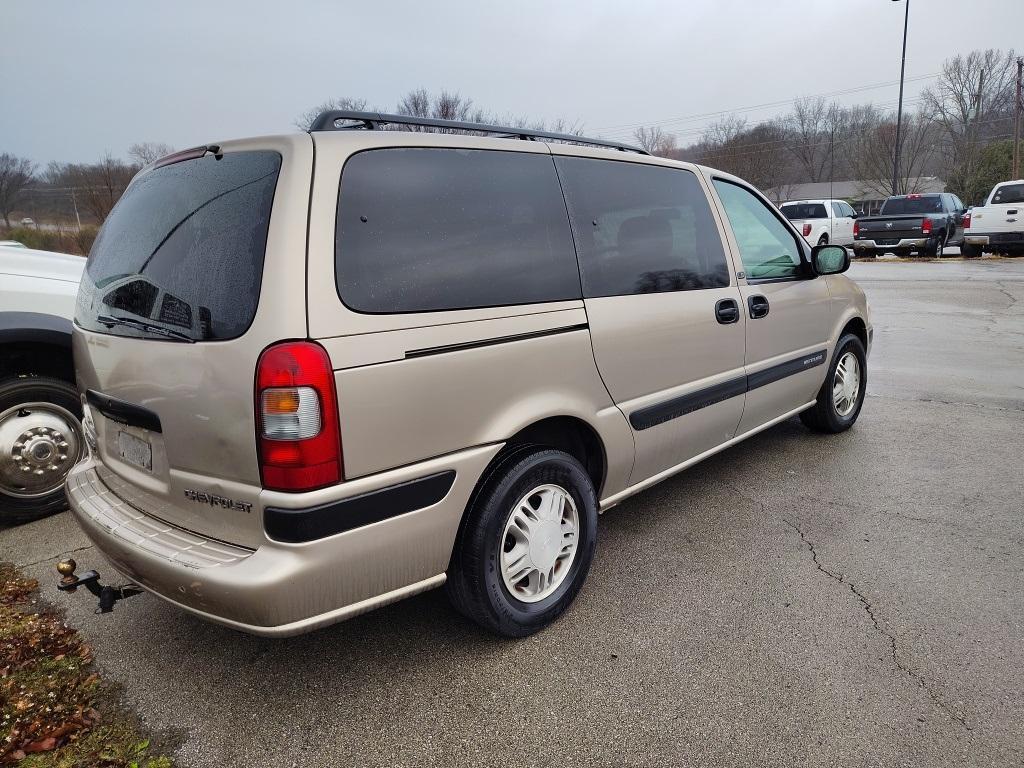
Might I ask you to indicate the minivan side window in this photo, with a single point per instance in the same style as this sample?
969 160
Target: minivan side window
432 229
641 228
768 249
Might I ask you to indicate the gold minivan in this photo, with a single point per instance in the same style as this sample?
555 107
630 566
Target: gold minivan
325 371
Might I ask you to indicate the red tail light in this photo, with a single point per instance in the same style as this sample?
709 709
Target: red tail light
807 229
856 227
926 227
967 220
297 418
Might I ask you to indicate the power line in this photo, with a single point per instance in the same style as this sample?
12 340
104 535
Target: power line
765 105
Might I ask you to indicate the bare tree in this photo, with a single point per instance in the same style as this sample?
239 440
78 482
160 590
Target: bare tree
756 153
305 121
973 103
15 174
148 151
813 127
98 186
655 140
873 151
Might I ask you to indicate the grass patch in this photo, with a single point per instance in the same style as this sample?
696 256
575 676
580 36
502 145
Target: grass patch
55 712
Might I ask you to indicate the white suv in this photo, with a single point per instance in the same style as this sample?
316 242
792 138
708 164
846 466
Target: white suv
822 221
40 433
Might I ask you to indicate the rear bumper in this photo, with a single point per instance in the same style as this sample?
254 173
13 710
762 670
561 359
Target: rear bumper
906 242
1014 239
281 588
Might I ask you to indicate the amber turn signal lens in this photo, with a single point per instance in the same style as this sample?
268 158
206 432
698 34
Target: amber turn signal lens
281 400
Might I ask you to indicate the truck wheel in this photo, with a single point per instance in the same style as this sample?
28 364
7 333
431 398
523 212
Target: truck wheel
969 251
41 439
842 395
823 240
866 253
934 250
526 543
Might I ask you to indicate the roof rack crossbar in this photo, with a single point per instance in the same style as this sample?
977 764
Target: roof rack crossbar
371 121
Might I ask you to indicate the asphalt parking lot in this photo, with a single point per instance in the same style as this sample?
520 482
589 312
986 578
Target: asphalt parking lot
795 600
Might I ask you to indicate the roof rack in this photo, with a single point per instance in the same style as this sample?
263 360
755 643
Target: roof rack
328 121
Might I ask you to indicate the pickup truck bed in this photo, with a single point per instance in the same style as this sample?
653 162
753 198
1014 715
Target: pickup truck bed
997 226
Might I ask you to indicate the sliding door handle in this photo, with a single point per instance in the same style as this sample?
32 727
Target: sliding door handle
758 306
727 311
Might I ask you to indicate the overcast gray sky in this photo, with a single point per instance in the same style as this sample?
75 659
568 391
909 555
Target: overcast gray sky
84 78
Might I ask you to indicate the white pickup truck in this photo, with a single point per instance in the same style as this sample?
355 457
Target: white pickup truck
40 434
822 221
998 225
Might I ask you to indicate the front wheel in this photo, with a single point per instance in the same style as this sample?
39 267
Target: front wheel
842 395
40 441
526 544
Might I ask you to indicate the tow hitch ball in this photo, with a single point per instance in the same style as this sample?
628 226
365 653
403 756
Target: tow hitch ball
107 595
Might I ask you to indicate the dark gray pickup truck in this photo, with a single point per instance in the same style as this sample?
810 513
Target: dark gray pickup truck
911 223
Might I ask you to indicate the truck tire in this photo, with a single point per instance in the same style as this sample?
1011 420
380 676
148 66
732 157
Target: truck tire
934 250
969 251
41 438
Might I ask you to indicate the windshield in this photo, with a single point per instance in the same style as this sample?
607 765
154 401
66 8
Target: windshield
794 211
181 255
1009 193
922 204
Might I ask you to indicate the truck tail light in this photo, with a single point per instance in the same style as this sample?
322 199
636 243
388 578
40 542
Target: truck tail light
807 230
297 431
926 227
856 227
967 220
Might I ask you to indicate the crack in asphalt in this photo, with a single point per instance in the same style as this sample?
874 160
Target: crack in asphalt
51 557
937 401
1007 294
869 609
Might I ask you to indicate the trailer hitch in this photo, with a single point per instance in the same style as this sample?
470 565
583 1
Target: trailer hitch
69 582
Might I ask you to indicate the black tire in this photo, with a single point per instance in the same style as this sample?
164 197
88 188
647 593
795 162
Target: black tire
969 251
866 253
823 240
16 509
934 250
824 417
475 585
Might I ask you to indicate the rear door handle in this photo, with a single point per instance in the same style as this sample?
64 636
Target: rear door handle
727 311
758 306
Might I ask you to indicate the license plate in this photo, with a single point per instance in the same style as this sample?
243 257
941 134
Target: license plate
135 450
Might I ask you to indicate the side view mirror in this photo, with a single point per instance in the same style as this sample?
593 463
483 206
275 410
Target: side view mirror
854 215
830 259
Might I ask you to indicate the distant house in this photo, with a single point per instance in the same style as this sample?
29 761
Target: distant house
859 194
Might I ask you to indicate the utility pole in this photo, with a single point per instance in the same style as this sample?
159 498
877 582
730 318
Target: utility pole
74 202
1018 108
899 112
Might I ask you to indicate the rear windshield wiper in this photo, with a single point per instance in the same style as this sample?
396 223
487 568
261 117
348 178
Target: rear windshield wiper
141 325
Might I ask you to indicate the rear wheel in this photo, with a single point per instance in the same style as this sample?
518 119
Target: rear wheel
41 439
526 544
934 250
969 251
842 395
866 253
823 240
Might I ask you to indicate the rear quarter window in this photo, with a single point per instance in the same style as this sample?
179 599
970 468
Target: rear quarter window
433 229
181 254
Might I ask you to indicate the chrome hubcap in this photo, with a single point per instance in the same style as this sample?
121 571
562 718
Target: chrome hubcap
39 444
539 543
846 384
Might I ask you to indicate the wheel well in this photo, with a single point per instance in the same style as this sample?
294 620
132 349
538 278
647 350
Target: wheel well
857 328
39 358
569 434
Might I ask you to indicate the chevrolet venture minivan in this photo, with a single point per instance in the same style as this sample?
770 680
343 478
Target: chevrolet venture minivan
325 371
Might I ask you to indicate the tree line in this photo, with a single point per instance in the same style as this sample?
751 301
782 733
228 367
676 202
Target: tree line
958 130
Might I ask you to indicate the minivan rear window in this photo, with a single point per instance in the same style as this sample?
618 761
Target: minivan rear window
431 229
180 257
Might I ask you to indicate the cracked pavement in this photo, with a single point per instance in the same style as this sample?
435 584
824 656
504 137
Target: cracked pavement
853 600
